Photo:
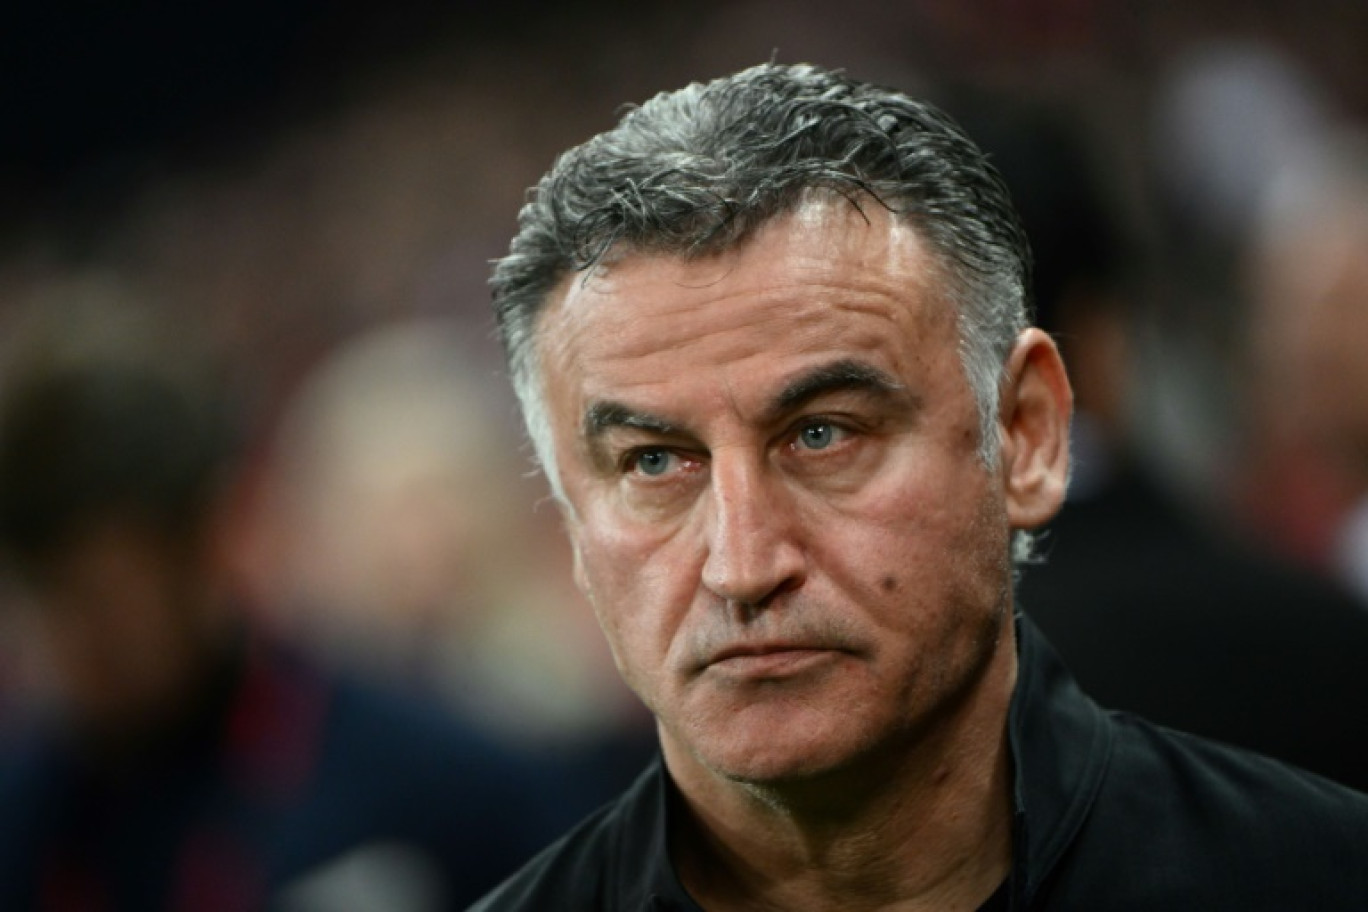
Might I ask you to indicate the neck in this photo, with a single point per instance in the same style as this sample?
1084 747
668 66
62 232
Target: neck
924 825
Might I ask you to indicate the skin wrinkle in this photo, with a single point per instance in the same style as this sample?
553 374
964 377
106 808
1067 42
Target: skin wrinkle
779 316
806 271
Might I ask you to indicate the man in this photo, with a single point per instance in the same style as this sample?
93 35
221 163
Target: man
185 761
771 343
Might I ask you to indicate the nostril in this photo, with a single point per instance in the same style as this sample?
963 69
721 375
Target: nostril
750 609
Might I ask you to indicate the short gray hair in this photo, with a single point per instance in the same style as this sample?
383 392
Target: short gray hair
698 170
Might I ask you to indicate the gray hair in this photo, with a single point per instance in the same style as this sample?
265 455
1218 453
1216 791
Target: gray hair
698 170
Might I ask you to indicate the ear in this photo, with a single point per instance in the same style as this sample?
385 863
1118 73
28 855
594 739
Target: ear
1036 406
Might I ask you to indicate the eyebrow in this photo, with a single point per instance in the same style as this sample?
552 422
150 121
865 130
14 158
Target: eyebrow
838 376
601 417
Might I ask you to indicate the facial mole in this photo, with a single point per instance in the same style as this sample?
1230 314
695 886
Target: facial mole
890 584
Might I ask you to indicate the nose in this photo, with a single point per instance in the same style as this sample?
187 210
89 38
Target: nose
754 552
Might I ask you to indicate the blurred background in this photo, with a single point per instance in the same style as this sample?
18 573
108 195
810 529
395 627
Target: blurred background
314 192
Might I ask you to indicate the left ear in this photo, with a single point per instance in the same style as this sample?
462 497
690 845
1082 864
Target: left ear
1036 406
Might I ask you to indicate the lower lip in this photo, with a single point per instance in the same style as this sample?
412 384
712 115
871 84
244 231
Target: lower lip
778 664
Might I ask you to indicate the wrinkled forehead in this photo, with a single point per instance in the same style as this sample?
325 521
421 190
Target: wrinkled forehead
826 282
824 228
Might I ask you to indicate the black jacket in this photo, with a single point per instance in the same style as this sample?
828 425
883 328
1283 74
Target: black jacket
1112 813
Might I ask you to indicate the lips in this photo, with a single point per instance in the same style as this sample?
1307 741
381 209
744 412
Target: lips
761 649
768 660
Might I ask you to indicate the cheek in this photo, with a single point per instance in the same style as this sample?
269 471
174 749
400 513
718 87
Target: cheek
941 542
615 562
640 590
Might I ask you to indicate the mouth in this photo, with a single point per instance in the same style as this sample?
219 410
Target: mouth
769 660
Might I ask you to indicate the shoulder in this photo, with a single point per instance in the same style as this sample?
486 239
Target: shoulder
1255 793
1184 823
570 873
615 859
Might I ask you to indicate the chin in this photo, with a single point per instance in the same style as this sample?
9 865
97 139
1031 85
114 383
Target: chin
776 770
798 751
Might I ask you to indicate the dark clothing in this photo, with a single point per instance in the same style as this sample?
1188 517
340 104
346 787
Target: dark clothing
279 772
1157 616
1111 813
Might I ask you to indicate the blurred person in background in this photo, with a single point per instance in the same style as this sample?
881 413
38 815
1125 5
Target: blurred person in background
400 538
1306 274
1157 608
183 759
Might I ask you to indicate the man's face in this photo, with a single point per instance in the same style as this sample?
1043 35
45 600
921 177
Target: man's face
776 501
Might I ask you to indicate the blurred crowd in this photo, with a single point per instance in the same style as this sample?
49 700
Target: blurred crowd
1195 181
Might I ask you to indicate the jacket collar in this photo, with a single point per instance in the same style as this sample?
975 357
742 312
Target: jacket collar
1061 745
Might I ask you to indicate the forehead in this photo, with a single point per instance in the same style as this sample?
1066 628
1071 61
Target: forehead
827 280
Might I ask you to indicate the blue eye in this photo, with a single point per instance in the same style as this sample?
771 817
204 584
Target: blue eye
817 436
652 462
